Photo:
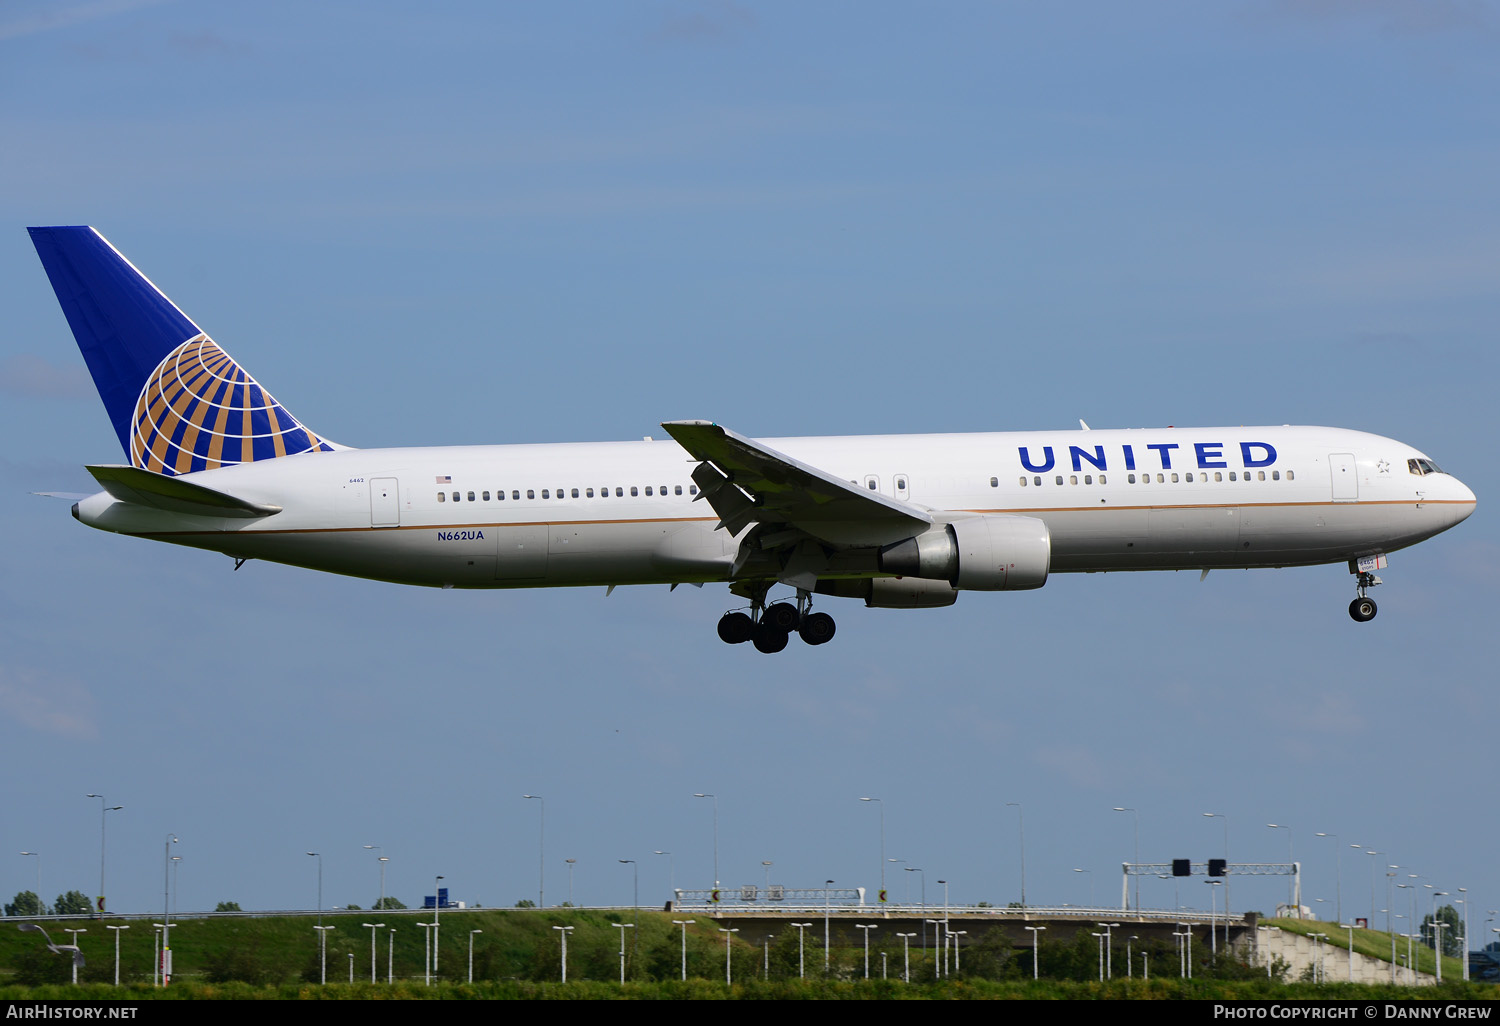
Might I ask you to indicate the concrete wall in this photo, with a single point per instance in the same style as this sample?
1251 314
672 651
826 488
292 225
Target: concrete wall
1300 952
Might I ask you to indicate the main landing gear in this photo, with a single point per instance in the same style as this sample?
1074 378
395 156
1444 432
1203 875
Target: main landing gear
770 627
1362 609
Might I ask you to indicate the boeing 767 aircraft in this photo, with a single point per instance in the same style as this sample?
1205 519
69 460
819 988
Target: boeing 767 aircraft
901 521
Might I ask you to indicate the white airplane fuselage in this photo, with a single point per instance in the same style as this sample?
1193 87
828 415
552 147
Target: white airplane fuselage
617 513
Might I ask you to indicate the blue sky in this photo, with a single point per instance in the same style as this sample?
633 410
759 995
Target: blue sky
483 223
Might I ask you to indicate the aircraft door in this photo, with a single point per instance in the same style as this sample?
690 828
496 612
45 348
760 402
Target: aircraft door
1345 477
385 506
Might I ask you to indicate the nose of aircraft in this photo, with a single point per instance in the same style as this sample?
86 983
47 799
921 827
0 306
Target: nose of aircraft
1463 500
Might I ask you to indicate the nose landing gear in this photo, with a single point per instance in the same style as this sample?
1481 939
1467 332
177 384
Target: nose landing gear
1363 608
770 627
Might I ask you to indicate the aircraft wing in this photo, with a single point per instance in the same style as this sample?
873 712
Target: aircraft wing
746 482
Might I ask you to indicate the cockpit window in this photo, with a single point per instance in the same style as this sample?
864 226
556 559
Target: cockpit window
1422 467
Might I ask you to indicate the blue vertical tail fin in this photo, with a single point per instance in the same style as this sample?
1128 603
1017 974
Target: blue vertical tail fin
178 402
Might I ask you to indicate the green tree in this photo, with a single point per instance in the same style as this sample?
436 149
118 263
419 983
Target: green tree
1451 931
228 906
26 904
74 903
384 903
525 903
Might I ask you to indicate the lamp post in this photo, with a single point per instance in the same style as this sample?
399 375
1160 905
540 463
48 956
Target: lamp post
99 907
827 908
1292 880
906 954
322 936
716 833
1090 872
76 949
427 929
622 927
437 906
1213 917
867 927
1109 948
571 863
166 865
881 803
563 933
319 857
541 846
1137 816
1225 818
766 968
38 857
684 923
1338 883
372 927
801 963
117 930
380 858
728 948
1036 955
471 953
918 869
1021 823
946 927
390 959
351 967
671 872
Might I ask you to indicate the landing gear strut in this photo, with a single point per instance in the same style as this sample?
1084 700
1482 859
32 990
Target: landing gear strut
770 627
1363 609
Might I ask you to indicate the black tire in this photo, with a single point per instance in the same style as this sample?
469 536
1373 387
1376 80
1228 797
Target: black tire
817 628
1362 610
783 616
768 639
735 628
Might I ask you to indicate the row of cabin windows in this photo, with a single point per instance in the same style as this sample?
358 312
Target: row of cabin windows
1088 479
562 493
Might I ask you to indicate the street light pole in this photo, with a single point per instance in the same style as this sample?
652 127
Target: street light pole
541 856
1021 822
1036 955
372 928
882 850
622 927
716 833
117 930
728 948
102 810
319 857
1137 816
684 923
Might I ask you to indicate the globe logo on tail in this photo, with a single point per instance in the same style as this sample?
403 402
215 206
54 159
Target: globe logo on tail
199 410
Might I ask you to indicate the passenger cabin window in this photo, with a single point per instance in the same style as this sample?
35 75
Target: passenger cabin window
486 496
648 489
1131 478
442 496
471 496
455 496
1275 475
515 494
588 493
1023 480
531 493
633 492
619 492
995 482
677 489
575 493
1059 479
1291 475
1038 480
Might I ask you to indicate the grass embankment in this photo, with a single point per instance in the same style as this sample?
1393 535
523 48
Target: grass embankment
1374 944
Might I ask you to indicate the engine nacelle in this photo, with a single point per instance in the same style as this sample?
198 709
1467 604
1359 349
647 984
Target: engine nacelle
909 593
892 592
984 553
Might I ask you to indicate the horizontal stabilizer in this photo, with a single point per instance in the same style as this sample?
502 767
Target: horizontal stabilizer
173 494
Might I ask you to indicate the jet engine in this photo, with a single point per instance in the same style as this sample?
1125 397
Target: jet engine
982 553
